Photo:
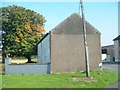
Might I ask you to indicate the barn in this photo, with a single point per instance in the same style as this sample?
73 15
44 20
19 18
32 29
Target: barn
62 49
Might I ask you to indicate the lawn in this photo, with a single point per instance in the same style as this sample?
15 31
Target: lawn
21 60
99 79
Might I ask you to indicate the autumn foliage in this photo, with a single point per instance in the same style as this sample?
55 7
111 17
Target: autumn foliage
40 28
24 29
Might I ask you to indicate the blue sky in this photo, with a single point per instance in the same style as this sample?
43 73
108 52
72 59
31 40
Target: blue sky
102 15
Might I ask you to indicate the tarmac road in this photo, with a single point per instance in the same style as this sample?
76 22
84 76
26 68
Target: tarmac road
111 67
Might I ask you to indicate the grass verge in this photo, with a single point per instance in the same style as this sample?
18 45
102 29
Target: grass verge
99 79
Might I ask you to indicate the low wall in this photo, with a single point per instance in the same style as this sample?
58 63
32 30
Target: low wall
26 68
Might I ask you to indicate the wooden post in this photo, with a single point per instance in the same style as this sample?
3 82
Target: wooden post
85 41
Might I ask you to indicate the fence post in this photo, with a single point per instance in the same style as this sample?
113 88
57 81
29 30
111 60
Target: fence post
7 62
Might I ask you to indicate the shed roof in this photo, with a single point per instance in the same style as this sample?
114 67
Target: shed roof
43 38
108 46
117 38
73 25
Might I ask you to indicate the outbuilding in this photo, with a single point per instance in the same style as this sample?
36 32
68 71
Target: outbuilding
63 47
117 47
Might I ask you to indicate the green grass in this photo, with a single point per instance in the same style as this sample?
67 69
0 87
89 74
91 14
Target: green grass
101 79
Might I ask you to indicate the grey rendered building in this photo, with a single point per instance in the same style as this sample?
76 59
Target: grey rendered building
117 47
109 51
63 47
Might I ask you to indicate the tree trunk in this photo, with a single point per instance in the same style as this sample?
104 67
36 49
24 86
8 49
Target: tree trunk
29 58
3 57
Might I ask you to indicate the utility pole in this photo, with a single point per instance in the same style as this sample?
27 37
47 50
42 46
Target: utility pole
85 41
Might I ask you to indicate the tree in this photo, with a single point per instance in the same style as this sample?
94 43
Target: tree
23 30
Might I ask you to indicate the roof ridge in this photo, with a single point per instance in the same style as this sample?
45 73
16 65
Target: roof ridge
65 20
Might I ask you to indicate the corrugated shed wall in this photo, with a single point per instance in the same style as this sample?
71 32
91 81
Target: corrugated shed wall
44 50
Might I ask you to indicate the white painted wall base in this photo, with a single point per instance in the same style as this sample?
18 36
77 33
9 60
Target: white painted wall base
104 56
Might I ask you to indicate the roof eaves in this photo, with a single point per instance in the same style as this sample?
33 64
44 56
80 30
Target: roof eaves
117 38
43 38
